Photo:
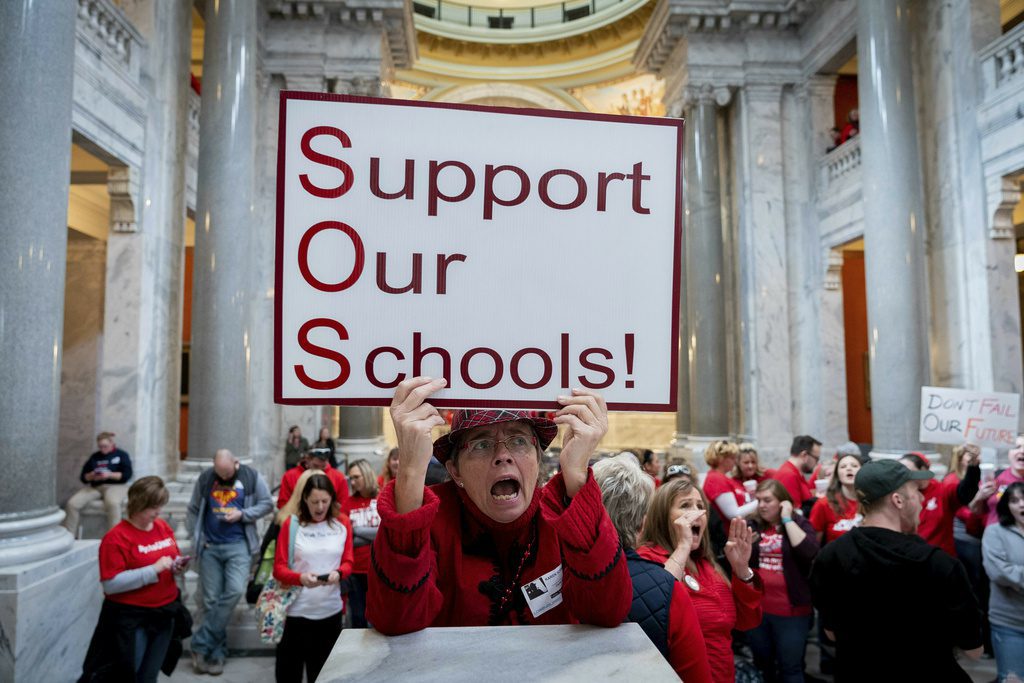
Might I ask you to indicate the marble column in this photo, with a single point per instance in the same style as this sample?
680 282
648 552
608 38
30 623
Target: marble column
705 271
141 386
36 66
361 435
219 379
894 224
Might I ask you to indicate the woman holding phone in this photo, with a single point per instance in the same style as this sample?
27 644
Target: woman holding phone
139 559
319 542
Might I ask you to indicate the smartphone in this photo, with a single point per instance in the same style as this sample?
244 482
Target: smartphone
181 561
323 577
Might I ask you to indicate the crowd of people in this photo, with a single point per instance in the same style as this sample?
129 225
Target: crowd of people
728 573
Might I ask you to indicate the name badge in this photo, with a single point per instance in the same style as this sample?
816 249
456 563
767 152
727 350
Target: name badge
545 592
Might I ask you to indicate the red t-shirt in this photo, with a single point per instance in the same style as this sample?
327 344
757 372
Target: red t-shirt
128 547
776 597
825 520
937 510
790 477
361 512
716 483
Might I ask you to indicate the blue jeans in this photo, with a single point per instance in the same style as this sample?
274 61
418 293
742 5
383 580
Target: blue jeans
150 650
223 573
778 645
1008 644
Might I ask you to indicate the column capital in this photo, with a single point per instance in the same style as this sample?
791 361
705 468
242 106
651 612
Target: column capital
706 93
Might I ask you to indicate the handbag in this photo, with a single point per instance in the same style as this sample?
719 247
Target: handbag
263 566
272 604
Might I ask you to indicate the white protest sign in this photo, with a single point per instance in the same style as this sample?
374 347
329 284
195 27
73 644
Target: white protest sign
957 416
517 253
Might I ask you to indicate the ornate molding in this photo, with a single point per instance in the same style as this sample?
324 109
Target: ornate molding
1004 193
367 86
706 93
392 17
833 270
123 188
674 20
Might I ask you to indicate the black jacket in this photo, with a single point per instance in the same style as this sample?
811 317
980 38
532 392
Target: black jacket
111 655
652 598
905 602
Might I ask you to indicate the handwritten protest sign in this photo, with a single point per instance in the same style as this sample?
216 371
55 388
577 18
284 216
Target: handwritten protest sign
517 253
956 416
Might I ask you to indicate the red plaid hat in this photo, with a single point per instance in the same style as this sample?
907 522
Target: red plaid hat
467 419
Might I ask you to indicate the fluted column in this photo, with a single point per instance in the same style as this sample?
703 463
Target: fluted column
36 67
705 268
893 224
361 434
219 379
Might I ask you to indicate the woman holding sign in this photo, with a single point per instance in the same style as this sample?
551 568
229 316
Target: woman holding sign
488 547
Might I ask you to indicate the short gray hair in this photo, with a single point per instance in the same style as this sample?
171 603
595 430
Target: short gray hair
626 492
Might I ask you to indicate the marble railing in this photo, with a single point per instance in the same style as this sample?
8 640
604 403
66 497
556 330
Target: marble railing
1003 63
840 162
111 34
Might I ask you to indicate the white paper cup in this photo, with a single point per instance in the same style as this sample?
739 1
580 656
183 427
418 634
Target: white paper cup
821 486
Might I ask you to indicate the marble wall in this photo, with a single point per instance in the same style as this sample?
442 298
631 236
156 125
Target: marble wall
83 342
48 611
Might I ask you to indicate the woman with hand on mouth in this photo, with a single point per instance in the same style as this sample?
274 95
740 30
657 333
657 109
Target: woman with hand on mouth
675 535
487 547
1014 473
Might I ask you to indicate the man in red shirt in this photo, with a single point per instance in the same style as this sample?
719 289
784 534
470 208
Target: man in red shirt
315 459
803 456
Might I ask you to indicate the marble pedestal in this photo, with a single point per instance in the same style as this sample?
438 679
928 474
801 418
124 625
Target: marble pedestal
498 653
48 610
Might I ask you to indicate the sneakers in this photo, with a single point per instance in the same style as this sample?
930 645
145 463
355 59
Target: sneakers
215 667
200 665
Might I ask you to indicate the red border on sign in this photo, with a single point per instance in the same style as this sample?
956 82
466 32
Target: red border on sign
678 124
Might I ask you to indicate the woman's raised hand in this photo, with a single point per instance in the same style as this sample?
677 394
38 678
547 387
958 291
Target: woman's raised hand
414 419
738 547
586 415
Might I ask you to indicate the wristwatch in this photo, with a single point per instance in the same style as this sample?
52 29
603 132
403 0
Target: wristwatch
750 577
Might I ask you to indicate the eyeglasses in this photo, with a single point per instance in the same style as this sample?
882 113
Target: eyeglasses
674 470
518 444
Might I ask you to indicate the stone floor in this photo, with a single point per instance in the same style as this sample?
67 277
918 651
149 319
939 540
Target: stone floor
261 670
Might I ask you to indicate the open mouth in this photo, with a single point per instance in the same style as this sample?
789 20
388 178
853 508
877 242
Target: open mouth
695 528
505 490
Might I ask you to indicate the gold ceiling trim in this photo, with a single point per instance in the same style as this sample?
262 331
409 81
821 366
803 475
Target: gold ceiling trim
497 57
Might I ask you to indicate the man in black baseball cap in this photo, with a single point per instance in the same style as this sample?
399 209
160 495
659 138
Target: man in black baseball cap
881 589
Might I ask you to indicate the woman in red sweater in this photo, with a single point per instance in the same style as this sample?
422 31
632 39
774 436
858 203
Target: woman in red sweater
473 550
314 550
361 508
661 605
138 561
675 535
782 555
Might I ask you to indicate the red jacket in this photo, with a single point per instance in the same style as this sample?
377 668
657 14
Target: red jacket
436 566
719 610
285 574
291 477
